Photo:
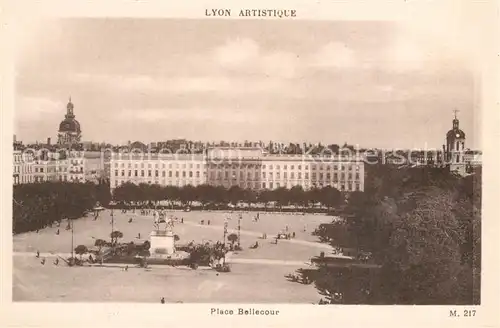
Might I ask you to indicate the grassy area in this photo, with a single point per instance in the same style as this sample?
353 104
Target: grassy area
246 282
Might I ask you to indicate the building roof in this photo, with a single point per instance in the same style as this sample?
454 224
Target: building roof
69 125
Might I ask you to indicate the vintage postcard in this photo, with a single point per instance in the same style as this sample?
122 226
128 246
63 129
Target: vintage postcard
259 164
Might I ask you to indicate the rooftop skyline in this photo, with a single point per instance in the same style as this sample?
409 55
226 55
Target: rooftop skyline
376 84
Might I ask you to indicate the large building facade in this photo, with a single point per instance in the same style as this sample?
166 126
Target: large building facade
248 168
64 161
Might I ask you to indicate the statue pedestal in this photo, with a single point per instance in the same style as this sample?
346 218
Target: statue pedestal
162 243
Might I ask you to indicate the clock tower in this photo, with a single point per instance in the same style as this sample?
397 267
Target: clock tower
455 148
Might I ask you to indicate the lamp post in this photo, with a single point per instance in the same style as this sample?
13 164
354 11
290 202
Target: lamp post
112 225
72 240
225 232
239 229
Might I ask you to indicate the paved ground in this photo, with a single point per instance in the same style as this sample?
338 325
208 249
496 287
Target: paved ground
253 270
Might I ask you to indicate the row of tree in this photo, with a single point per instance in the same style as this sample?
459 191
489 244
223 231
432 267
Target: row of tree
423 227
219 196
38 205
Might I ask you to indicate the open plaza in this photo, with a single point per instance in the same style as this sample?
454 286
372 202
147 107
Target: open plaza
257 274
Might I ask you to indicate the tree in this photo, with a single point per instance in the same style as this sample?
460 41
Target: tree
145 252
115 235
100 243
81 250
330 197
235 194
421 226
265 196
232 238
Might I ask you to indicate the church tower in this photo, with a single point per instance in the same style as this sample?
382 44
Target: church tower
69 129
455 148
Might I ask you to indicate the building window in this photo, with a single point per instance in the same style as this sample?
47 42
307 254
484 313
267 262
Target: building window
307 175
300 175
176 174
270 185
292 175
163 174
135 173
198 173
149 173
156 172
123 173
142 173
263 185
285 175
263 176
357 186
190 173
183 174
116 173
357 176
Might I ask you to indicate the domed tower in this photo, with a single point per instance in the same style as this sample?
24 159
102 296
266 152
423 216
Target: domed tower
455 148
69 129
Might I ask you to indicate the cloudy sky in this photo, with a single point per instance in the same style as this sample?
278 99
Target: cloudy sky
376 84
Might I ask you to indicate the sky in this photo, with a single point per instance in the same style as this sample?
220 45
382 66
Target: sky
375 84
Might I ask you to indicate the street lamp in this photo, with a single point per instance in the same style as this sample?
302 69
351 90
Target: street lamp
239 229
112 225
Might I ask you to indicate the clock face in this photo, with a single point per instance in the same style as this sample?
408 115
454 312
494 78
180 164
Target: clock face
458 135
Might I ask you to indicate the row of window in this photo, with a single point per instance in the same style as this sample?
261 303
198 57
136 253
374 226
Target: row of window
183 174
236 166
226 175
156 165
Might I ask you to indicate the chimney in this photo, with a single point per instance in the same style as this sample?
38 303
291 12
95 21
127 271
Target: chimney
48 141
15 138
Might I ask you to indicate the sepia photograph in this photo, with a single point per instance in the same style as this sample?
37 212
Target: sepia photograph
162 160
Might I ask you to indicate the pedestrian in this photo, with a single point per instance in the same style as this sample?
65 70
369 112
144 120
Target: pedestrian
162 300
43 262
57 232
56 262
208 222
293 234
130 220
126 268
37 254
139 235
91 259
182 220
